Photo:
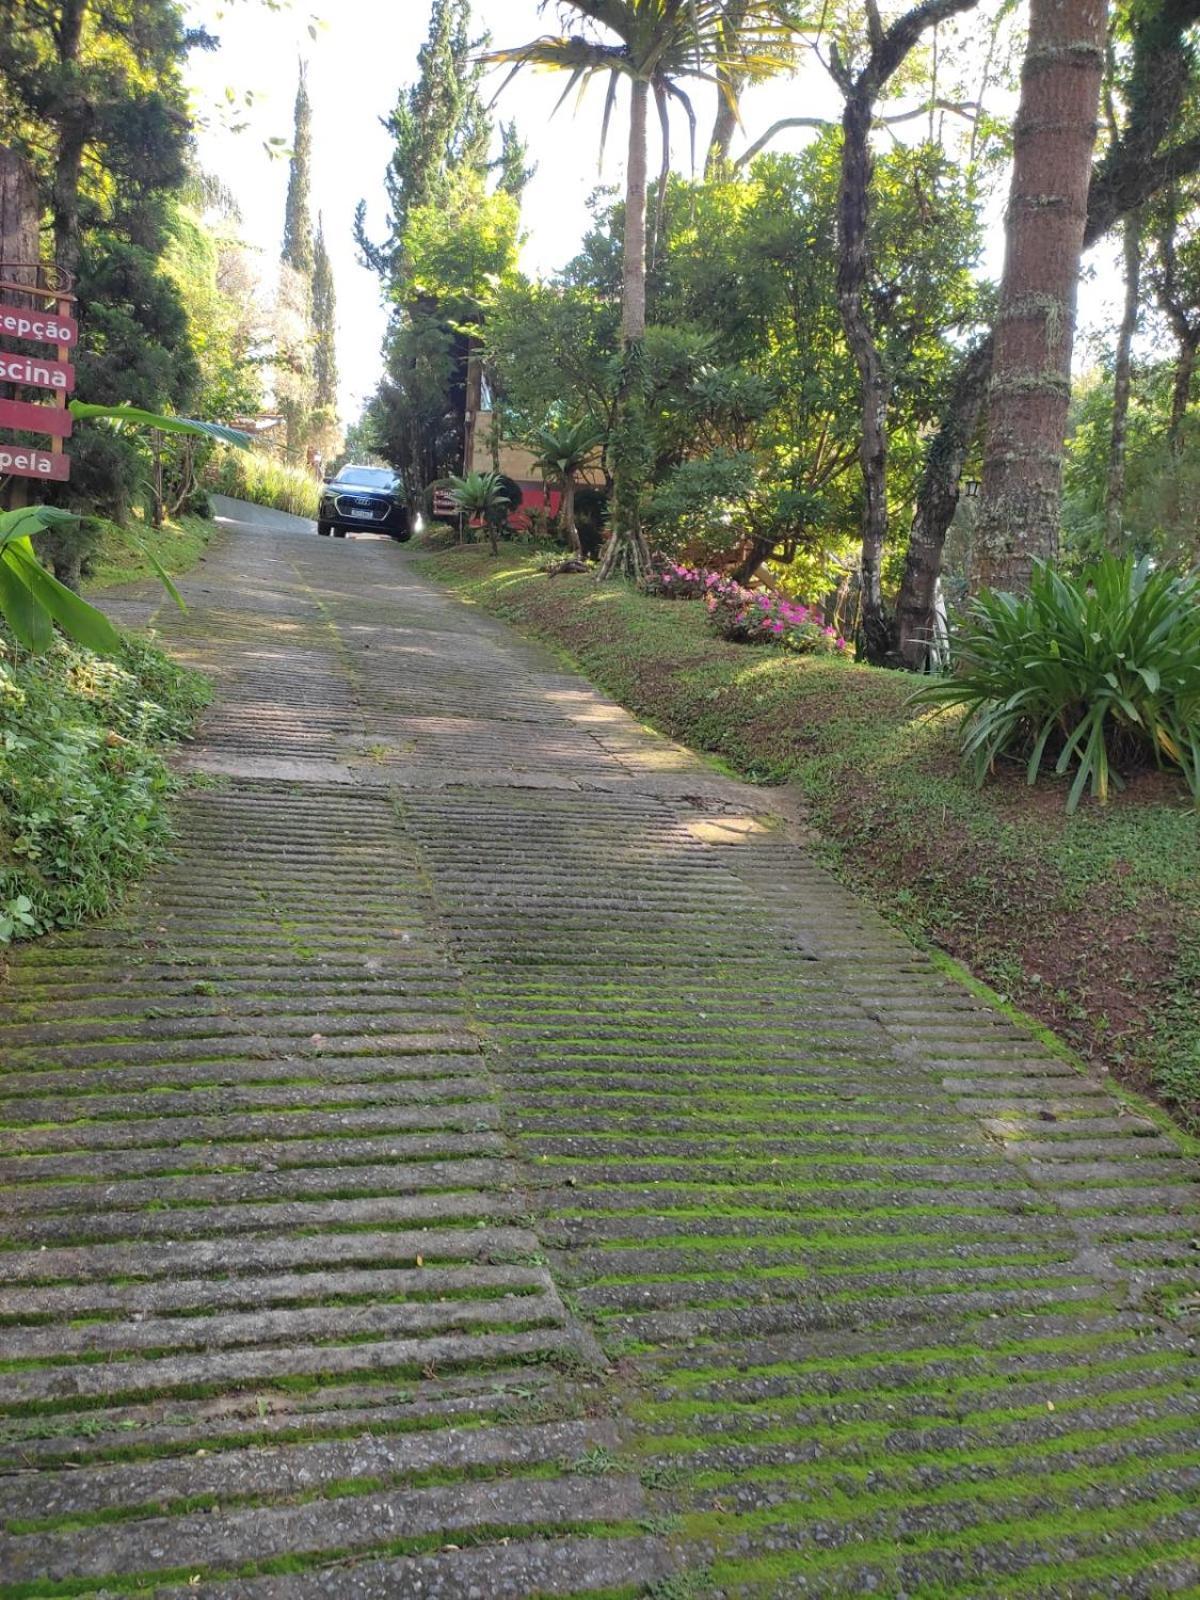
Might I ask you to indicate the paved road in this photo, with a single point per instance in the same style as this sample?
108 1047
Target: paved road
492 1159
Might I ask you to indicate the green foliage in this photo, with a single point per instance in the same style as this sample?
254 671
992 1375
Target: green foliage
264 481
1092 673
439 126
486 498
137 348
32 600
120 557
551 349
1161 510
460 246
750 392
220 329
484 495
83 783
561 449
451 241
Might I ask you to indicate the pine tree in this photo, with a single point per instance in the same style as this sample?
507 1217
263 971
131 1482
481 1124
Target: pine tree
297 219
441 132
440 124
324 300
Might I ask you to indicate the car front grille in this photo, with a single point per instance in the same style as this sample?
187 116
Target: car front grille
352 504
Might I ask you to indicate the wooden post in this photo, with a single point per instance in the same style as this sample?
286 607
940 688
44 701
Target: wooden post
20 213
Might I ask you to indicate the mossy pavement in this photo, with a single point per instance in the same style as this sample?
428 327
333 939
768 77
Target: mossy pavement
493 1158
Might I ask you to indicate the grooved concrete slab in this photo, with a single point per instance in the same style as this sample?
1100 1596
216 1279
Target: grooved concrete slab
493 1159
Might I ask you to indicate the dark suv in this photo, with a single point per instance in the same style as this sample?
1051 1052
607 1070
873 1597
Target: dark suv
364 497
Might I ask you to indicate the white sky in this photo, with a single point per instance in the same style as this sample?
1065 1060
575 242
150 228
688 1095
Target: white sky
364 52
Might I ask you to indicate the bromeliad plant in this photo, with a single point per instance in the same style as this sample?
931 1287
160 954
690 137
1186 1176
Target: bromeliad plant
483 499
1089 674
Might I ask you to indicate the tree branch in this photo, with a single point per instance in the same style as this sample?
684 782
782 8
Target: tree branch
776 128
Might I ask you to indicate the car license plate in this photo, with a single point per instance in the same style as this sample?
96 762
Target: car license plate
362 511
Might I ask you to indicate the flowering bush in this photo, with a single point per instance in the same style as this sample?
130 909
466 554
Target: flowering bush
670 581
751 617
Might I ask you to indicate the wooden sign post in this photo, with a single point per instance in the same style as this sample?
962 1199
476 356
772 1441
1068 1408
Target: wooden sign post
37 308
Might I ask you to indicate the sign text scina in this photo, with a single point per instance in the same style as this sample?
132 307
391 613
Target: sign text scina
37 373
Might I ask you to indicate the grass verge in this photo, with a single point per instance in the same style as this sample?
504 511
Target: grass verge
264 481
115 558
1090 923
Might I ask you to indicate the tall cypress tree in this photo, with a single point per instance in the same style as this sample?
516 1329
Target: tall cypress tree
294 335
440 123
324 300
297 218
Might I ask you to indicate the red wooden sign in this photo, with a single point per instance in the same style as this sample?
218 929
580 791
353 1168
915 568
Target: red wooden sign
18 462
53 420
42 327
37 372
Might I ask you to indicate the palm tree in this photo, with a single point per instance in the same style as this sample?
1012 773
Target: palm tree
655 44
561 451
483 497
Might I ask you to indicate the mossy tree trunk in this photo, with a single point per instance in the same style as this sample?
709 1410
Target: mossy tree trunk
937 501
1054 139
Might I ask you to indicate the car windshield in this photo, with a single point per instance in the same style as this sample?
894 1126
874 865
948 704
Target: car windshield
366 477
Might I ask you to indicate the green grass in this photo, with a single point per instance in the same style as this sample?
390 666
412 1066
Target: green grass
117 558
1090 923
252 475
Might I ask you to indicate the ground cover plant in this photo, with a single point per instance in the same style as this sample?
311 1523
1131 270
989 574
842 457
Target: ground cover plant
1090 921
116 558
83 780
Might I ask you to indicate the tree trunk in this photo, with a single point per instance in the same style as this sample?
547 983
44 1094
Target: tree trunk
937 500
853 200
74 124
1114 497
730 83
758 552
1054 138
626 551
566 514
1181 390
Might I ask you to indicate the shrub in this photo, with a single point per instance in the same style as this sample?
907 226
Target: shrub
83 785
1095 672
750 617
670 581
264 481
